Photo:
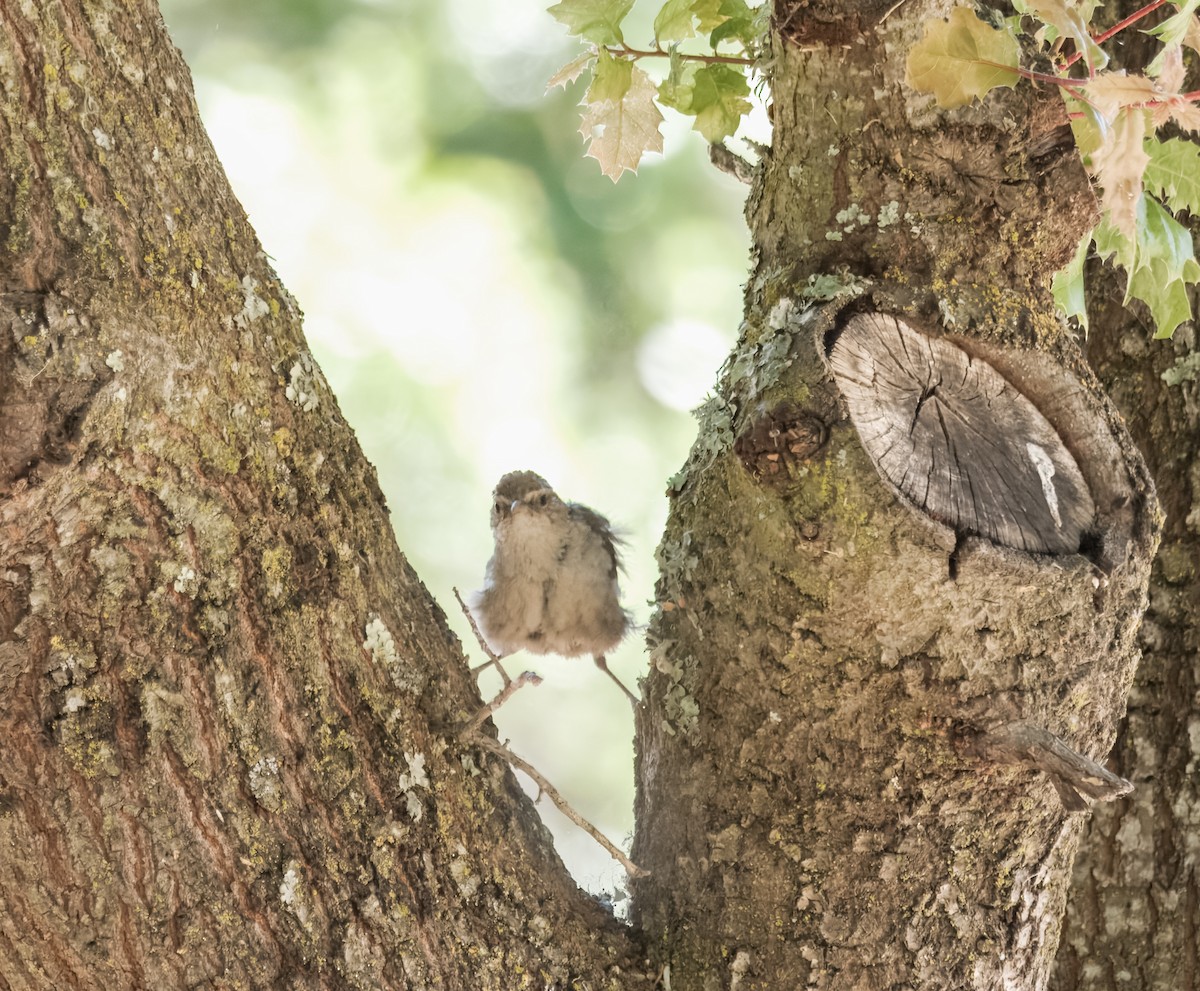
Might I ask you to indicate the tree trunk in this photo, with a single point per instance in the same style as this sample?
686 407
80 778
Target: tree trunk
230 707
894 635
1133 919
875 685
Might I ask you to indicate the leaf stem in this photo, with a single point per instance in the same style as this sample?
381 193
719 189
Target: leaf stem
1064 82
635 53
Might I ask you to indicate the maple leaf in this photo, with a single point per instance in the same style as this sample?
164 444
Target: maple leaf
1068 22
738 23
1172 104
1174 173
675 21
960 59
599 21
571 71
1169 68
1067 285
620 118
1185 113
1160 262
708 13
1109 92
1191 34
1178 29
718 101
1118 165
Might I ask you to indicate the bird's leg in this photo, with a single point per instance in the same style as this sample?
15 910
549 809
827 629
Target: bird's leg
602 664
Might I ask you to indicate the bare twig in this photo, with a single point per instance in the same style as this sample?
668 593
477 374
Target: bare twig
500 750
634 53
493 660
528 678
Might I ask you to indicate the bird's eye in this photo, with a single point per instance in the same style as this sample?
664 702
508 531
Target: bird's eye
499 506
543 499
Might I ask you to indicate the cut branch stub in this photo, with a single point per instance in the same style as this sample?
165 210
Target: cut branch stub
957 440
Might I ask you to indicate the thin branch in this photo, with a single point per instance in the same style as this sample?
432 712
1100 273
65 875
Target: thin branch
636 53
500 750
1117 28
493 660
1133 18
528 678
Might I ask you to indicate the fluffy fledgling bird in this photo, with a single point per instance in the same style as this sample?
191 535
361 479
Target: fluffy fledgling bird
551 584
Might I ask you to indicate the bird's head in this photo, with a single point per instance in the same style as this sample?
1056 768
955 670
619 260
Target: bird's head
522 492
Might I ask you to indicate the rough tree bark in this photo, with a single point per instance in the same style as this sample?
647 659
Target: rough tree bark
230 708
1133 918
851 768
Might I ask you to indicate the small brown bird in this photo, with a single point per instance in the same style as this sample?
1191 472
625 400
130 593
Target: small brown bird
551 583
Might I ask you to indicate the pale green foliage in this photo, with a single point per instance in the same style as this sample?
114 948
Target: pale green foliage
959 60
1067 284
1159 261
597 21
1064 20
714 94
1174 173
1178 29
711 86
1115 118
675 22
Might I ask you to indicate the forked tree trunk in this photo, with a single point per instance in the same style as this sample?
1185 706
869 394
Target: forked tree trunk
228 729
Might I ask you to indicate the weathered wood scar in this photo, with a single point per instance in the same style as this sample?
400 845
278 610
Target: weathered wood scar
958 440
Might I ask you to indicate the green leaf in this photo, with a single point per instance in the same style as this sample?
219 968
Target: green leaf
1174 173
962 59
610 79
740 24
1110 242
708 14
1172 32
1086 125
1174 28
1160 262
1067 22
675 21
718 101
1067 284
598 21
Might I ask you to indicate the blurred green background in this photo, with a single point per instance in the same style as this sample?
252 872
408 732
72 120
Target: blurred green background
482 299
